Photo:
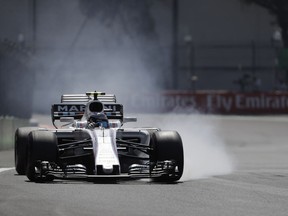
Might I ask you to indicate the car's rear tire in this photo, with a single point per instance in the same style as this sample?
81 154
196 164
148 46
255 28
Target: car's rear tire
43 146
167 145
21 148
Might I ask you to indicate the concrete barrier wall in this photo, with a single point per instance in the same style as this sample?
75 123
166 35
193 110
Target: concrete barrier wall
222 102
215 102
8 126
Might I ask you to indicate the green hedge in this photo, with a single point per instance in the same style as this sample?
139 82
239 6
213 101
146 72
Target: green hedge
8 126
283 59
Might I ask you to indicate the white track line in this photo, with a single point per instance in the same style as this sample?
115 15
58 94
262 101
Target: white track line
6 169
276 118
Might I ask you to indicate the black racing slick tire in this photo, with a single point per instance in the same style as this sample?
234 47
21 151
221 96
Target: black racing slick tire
167 145
21 148
43 146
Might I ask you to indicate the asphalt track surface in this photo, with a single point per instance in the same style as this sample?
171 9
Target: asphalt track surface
257 185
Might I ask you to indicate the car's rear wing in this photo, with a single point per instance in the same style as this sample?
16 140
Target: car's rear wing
58 111
84 98
73 106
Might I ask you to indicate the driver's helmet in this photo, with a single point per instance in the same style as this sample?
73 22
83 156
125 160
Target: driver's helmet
98 120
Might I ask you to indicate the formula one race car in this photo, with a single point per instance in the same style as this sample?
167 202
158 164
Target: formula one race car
92 144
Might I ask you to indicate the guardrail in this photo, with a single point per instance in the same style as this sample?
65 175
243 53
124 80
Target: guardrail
8 126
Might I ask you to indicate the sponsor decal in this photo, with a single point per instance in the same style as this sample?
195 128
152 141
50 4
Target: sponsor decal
70 108
159 102
214 102
238 102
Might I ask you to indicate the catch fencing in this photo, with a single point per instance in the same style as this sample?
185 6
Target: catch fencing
221 66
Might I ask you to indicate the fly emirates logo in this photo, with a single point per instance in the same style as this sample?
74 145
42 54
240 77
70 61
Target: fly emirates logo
239 101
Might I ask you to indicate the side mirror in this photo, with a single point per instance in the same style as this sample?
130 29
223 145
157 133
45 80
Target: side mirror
66 119
129 119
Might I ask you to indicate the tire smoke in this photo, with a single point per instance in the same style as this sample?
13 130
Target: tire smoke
205 154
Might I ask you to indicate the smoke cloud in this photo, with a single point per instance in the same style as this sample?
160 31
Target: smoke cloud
205 153
90 54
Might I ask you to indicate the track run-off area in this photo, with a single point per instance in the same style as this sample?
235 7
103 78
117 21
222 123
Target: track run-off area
234 165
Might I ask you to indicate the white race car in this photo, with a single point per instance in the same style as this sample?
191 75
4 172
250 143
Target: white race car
92 144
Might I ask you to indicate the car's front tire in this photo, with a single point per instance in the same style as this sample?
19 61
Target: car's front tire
21 148
167 146
43 146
